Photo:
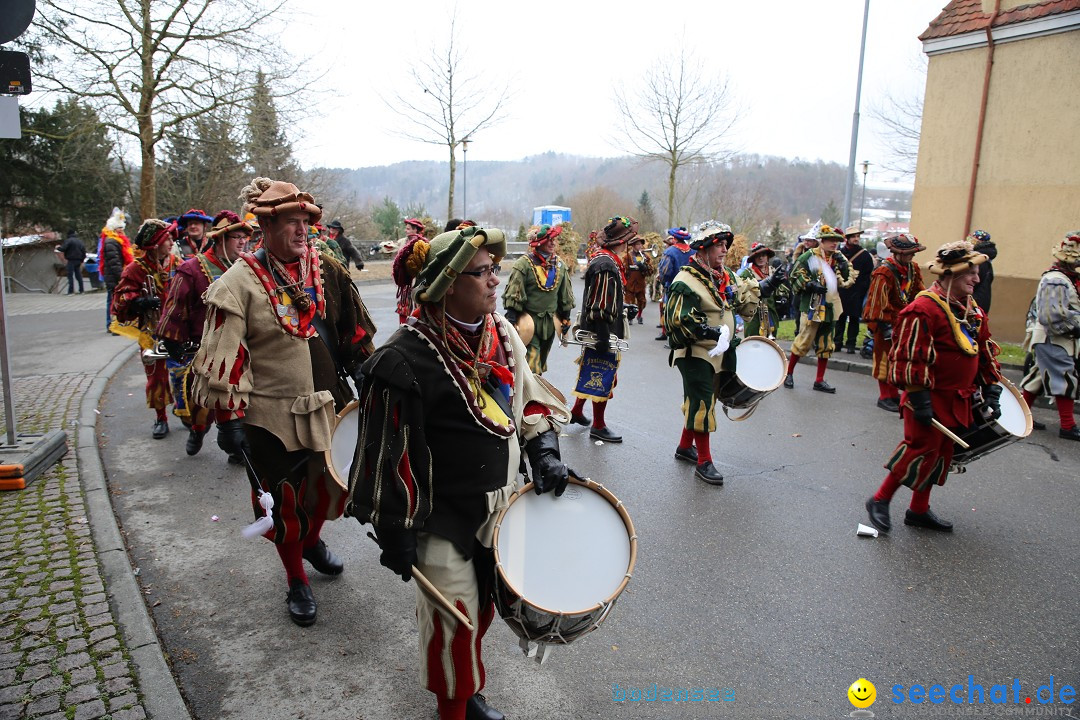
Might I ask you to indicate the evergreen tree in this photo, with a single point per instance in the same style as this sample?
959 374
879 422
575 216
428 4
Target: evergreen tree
830 215
387 218
202 168
776 238
646 216
269 152
522 233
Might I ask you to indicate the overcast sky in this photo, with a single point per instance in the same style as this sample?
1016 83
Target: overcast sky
791 63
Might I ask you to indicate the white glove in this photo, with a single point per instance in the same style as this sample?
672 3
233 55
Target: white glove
264 524
722 343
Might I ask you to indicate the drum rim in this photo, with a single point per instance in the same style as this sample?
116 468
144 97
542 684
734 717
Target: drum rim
627 522
778 349
328 457
1028 418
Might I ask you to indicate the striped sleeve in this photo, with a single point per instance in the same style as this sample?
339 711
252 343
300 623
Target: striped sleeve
601 300
683 316
912 353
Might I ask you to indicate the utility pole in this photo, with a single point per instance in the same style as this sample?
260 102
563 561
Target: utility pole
850 181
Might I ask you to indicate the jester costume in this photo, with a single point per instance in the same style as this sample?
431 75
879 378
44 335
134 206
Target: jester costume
671 262
639 269
766 319
539 285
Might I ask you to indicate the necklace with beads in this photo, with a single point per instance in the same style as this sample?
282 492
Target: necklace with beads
295 290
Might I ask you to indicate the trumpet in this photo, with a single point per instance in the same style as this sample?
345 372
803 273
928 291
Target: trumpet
588 339
150 356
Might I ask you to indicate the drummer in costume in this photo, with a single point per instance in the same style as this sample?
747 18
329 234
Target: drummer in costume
819 275
603 313
137 306
1055 340
403 275
675 256
942 355
700 318
766 319
181 327
448 402
539 287
193 226
893 284
284 329
639 269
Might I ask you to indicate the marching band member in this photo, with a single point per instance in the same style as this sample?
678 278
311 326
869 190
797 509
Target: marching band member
192 226
892 286
603 313
942 355
675 256
700 319
137 304
403 275
1055 340
767 319
181 326
448 402
539 286
639 269
818 275
284 327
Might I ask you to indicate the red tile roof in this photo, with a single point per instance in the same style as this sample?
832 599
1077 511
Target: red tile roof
964 16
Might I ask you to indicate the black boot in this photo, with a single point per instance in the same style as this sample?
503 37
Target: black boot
231 439
194 441
477 708
302 607
323 560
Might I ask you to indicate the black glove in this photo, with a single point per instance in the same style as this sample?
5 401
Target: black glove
548 471
511 316
767 285
398 550
359 264
232 440
175 348
886 331
992 396
146 304
708 332
631 312
921 406
603 337
815 287
1073 332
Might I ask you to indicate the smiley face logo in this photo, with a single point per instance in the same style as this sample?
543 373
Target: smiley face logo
862 693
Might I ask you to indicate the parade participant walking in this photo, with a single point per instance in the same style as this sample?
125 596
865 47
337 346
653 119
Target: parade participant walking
818 276
336 232
284 329
675 256
74 253
892 286
402 274
700 318
639 270
942 355
806 242
852 298
766 319
114 254
181 328
137 305
193 225
539 287
448 403
1055 340
604 314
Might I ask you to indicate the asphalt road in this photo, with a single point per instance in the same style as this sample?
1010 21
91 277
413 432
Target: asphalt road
760 588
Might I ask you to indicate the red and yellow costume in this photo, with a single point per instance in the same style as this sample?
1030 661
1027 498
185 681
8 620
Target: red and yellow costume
892 286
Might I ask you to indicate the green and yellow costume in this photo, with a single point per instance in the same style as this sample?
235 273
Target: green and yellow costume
540 286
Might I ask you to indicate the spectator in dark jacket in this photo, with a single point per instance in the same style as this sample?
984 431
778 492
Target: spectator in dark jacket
852 298
74 253
112 266
336 232
981 240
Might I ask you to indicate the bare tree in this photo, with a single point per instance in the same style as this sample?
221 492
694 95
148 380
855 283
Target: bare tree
449 106
594 206
151 66
901 120
681 116
718 194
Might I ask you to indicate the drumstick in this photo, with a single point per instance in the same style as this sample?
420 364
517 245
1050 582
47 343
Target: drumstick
944 430
438 597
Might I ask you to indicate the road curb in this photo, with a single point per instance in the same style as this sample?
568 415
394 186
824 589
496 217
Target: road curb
160 694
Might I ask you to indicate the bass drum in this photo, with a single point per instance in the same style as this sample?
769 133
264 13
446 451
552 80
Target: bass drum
339 457
987 435
561 563
760 365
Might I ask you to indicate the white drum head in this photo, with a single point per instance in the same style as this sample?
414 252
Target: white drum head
759 364
343 442
1013 418
565 554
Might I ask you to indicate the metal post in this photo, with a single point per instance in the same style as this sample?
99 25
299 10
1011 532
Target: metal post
5 364
862 206
850 181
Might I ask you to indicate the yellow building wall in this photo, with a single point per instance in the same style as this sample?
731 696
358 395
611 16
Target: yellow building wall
1028 190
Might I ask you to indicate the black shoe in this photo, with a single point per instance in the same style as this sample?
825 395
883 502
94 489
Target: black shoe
660 337
604 434
194 442
301 603
822 386
707 471
927 520
890 404
640 321
477 708
323 560
161 429
878 510
850 349
686 455
1071 434
789 381
1036 425
579 419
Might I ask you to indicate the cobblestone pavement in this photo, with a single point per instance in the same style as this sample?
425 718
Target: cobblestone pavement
61 655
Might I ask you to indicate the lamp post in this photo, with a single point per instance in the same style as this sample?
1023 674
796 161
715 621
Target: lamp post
465 179
855 121
862 206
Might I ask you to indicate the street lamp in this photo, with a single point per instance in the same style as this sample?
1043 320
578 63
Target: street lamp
862 207
465 179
